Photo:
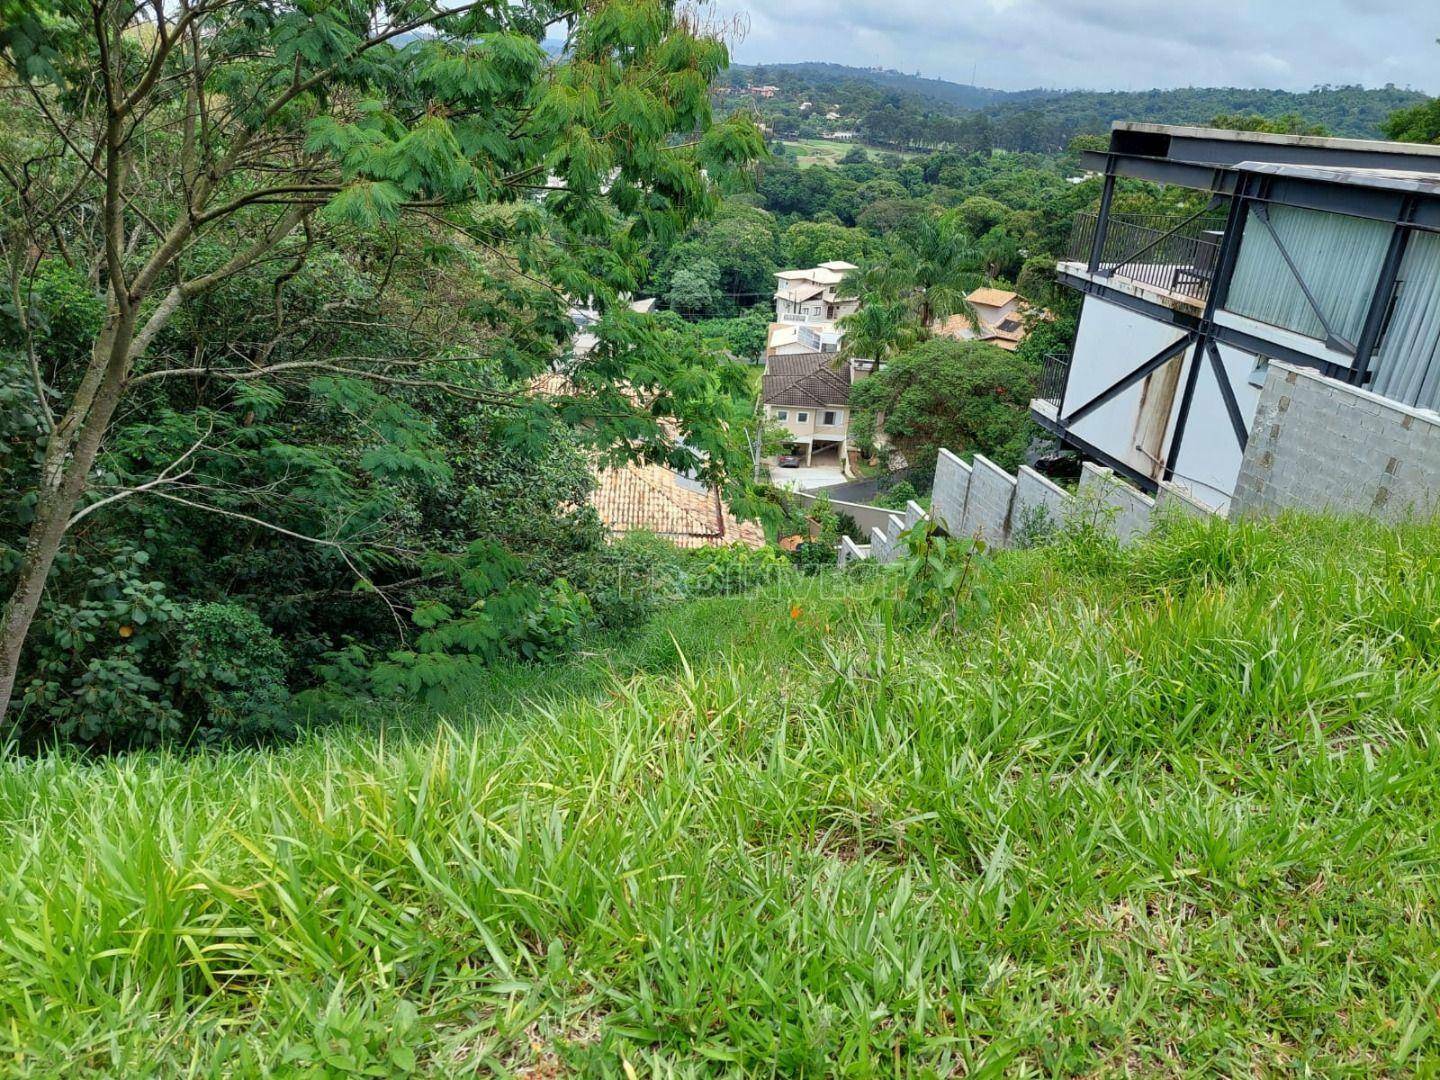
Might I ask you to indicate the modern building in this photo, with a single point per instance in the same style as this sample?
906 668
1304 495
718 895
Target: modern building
798 339
1320 253
817 295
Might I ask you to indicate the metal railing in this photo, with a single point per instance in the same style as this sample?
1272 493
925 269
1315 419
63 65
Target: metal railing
1054 374
1173 254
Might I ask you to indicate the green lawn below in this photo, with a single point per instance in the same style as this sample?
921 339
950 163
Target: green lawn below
1167 810
829 151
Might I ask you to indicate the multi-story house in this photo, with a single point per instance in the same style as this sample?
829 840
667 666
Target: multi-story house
797 339
817 295
1321 253
809 395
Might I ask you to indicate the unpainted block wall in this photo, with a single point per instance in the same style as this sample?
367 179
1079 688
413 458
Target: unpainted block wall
1320 444
952 488
987 509
1131 508
986 501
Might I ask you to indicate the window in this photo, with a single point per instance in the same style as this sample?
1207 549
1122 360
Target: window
1408 367
781 414
1338 256
829 419
801 417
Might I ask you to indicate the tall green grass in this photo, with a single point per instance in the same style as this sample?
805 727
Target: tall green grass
1171 810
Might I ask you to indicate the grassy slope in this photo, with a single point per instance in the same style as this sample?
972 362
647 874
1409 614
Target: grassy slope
1171 810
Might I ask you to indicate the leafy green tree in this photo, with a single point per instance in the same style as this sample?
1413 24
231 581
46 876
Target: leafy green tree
696 288
1289 123
966 396
1417 124
979 214
810 243
742 244
184 146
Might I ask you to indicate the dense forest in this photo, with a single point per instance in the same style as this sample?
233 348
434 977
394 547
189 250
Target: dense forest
905 111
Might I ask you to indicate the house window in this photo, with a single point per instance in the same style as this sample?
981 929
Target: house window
828 419
781 414
801 417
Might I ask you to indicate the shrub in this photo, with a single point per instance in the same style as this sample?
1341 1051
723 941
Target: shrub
722 571
230 670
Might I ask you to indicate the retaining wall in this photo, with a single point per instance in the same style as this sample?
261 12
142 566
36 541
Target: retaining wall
1320 444
982 499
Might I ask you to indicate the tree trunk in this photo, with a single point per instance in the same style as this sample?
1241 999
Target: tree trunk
68 461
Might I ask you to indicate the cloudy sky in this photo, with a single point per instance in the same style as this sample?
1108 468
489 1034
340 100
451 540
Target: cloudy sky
1108 44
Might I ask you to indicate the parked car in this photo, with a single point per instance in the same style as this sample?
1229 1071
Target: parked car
790 461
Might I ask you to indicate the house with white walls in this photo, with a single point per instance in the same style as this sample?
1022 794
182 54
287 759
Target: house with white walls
1320 254
817 295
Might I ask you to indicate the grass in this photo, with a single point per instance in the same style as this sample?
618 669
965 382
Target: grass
1165 811
830 151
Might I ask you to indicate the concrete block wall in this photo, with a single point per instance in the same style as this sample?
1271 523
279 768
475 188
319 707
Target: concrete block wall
1039 502
1320 444
952 488
1131 508
987 509
984 500
851 552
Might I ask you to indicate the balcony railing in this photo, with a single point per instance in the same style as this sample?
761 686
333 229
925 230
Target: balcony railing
1054 374
1177 255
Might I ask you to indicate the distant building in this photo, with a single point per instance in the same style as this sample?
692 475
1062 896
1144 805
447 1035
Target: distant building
1001 316
817 295
794 339
641 497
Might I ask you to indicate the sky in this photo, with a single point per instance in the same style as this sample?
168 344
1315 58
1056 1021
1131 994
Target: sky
1106 44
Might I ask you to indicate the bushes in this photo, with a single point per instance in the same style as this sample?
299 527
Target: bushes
232 668
119 664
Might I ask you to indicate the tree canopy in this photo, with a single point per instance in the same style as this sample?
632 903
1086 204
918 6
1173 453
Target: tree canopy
318 249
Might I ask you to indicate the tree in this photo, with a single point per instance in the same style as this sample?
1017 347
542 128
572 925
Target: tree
979 214
810 243
695 289
175 146
1289 123
1418 124
966 396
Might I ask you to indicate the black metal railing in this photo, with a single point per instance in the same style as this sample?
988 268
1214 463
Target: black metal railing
1177 255
1054 374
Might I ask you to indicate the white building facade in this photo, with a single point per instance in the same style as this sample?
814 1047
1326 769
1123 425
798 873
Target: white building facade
1321 253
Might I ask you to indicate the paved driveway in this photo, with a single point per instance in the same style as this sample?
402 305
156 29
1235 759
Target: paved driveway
817 476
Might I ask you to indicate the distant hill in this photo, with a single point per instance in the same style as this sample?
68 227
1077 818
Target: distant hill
1050 117
946 93
1351 111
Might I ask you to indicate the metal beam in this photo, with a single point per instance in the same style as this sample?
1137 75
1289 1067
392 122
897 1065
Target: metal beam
1124 468
1182 418
1227 394
1384 294
1333 339
1102 222
1159 360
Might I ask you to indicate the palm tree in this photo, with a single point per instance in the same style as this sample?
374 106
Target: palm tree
944 267
903 296
883 327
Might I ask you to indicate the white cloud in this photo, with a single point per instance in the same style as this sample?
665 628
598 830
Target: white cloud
1109 44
